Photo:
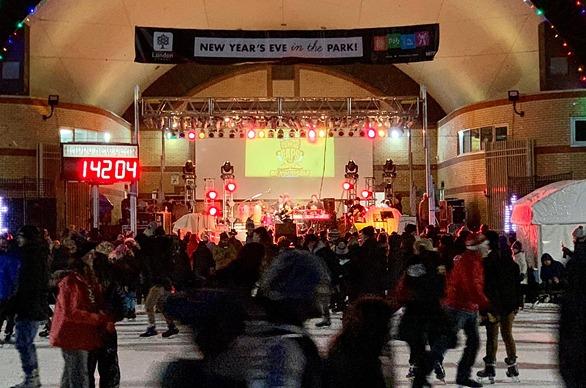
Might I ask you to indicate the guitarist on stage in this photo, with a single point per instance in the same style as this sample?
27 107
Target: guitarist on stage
357 211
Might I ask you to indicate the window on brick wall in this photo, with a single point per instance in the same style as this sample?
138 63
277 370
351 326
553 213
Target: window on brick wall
78 135
578 131
475 139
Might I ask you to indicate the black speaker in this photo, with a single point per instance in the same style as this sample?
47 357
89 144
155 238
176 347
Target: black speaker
287 229
458 214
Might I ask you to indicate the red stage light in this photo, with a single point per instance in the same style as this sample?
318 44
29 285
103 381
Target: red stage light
191 135
213 211
366 194
230 187
346 186
311 135
251 134
371 133
212 194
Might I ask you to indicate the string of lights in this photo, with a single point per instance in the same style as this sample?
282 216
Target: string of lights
542 7
15 15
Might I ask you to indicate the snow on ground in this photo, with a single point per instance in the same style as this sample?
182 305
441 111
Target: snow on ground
141 358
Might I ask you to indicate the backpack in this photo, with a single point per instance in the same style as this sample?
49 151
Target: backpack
9 275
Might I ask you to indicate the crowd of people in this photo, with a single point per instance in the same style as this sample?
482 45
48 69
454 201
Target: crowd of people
246 302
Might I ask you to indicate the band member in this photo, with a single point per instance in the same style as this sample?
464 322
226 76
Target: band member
284 207
315 203
357 211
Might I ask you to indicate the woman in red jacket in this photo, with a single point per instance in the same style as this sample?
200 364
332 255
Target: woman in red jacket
78 321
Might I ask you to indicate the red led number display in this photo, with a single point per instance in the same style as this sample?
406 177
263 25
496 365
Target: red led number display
108 170
101 170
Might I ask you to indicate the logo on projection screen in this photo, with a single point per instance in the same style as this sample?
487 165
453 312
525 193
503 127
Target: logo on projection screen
289 158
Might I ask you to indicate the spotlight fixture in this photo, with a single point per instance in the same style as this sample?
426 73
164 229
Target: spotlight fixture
202 134
52 101
292 133
251 134
227 171
271 133
396 132
280 134
341 133
371 133
351 170
514 97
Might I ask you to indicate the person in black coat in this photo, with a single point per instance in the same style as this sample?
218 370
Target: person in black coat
572 330
368 268
31 299
552 273
353 358
503 289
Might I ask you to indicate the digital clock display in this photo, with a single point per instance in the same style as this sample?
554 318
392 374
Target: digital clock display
100 164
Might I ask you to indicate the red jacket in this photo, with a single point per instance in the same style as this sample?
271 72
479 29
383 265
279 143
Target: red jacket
465 284
77 324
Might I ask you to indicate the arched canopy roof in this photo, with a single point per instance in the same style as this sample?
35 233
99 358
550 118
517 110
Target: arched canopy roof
83 50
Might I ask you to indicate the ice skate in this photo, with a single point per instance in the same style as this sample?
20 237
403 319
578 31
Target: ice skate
468 382
31 381
171 331
512 370
488 373
440 372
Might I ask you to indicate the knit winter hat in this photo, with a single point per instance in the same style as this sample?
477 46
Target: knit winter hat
341 248
105 248
578 234
294 274
30 232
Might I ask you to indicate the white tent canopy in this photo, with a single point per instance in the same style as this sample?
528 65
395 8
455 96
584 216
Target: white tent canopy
546 217
562 202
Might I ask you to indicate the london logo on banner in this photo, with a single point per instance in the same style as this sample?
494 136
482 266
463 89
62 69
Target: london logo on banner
373 45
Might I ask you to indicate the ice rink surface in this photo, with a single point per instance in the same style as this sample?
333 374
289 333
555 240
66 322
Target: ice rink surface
141 359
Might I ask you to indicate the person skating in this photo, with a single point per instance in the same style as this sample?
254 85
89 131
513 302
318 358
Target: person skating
502 287
78 324
572 330
30 303
155 301
464 296
354 356
420 291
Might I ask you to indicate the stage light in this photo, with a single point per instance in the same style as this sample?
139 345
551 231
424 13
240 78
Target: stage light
232 134
350 133
251 134
396 132
213 211
212 195
311 135
341 133
227 170
331 134
230 187
202 134
371 133
280 134
261 134
322 133
382 133
366 194
351 167
221 133
170 135
271 134
292 133
191 135
361 133
347 185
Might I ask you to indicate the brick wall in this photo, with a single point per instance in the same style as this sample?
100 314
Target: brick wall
22 129
546 120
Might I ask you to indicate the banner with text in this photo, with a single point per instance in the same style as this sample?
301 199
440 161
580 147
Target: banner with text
373 45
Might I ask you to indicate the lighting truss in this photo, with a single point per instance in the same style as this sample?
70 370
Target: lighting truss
218 114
